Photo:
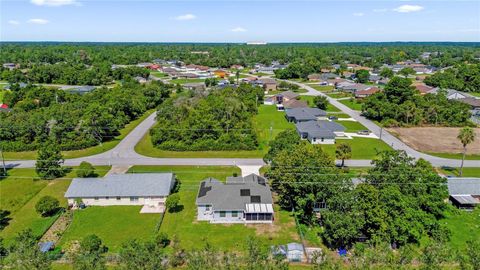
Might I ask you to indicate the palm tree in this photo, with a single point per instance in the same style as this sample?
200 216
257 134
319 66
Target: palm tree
343 151
466 136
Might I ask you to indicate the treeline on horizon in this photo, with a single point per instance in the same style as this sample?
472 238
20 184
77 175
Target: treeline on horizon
224 55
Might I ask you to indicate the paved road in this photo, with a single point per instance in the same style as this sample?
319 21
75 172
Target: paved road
388 138
124 154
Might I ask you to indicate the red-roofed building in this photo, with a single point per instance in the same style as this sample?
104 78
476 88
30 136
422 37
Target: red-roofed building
423 88
154 67
3 106
366 92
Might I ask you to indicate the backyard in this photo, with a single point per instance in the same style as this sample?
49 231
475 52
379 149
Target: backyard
268 123
193 234
463 225
352 126
113 224
309 100
20 191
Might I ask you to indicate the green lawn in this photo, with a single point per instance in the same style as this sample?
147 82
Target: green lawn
352 104
21 190
351 126
267 117
455 156
158 74
463 225
467 172
113 224
338 94
362 148
184 81
2 93
475 94
323 88
88 151
309 100
193 233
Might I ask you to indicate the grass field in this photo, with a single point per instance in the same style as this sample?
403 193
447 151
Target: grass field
88 151
467 172
184 81
463 225
309 100
338 94
267 117
193 234
351 126
362 148
21 190
455 156
158 74
113 224
352 104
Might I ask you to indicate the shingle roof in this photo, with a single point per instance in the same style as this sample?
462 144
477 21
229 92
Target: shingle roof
304 114
122 185
235 194
313 130
295 104
463 186
289 94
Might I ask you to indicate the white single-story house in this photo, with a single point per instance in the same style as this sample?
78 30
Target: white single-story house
240 200
320 132
147 189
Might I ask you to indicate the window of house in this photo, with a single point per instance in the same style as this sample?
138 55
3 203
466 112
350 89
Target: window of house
96 198
118 198
222 213
234 214
134 199
322 139
106 198
207 208
320 205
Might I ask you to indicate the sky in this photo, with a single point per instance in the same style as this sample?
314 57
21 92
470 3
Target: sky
239 20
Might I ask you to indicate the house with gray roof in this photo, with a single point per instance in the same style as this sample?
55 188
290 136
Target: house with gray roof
297 115
464 192
239 200
320 132
147 189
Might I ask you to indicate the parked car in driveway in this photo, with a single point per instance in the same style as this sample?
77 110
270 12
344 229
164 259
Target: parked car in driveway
363 132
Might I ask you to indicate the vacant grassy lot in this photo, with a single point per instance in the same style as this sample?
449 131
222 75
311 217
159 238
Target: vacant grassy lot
193 233
88 151
352 126
467 172
113 224
22 189
463 225
438 141
309 100
362 148
158 74
352 104
268 123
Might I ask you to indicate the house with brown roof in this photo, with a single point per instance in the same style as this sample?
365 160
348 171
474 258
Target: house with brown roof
366 92
423 88
268 84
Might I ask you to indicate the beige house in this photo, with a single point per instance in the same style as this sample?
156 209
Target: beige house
147 189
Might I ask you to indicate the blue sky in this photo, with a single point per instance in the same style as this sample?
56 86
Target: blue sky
239 20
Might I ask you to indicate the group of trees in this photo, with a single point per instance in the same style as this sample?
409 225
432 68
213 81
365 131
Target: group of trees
400 104
90 254
217 119
73 74
398 201
463 77
72 121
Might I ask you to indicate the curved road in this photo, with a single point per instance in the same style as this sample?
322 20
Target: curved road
124 153
388 138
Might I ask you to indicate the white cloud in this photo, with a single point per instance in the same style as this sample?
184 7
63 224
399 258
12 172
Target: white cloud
38 21
408 8
13 22
54 3
239 29
185 17
358 14
380 10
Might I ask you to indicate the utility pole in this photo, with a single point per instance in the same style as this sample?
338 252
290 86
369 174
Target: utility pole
3 162
381 131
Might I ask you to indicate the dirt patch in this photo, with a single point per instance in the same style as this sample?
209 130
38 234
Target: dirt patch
436 139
